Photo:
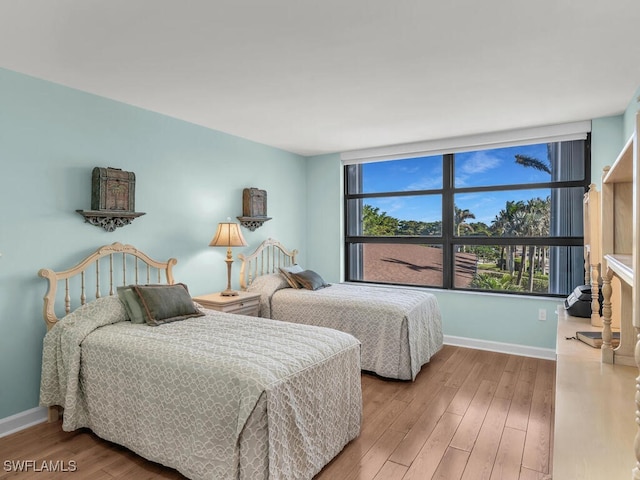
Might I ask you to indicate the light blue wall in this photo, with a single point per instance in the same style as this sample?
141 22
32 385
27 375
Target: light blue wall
607 140
188 179
325 222
630 115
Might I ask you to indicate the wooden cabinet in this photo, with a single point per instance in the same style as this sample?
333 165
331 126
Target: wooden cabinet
595 390
619 218
245 303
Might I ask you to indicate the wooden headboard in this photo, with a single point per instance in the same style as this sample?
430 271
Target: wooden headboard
121 265
267 258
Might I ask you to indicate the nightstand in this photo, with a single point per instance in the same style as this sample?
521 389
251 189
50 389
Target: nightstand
244 303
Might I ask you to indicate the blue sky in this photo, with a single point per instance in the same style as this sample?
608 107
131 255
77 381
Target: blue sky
479 168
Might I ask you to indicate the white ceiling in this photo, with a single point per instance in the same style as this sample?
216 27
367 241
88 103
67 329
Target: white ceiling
320 76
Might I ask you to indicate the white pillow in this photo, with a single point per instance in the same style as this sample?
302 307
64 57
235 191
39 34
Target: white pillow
287 271
268 284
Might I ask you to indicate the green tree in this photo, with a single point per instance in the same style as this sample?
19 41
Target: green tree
531 162
376 223
538 220
486 281
538 214
460 218
480 229
508 223
415 227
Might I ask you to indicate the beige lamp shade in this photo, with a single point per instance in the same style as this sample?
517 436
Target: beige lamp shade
228 235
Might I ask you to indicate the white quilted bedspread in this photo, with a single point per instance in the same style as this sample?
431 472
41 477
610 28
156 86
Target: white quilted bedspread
400 329
180 394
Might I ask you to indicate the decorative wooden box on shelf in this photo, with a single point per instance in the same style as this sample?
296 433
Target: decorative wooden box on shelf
254 208
112 199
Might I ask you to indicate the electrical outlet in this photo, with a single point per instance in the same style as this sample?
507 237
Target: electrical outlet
542 314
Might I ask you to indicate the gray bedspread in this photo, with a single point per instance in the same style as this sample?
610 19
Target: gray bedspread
400 329
183 394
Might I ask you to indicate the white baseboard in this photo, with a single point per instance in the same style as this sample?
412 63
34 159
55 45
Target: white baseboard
511 348
22 420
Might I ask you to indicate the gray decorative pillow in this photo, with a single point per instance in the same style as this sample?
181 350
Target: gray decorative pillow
310 280
131 302
165 303
288 274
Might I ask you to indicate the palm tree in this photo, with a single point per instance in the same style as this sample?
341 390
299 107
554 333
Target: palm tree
531 162
508 223
539 212
535 211
538 225
460 218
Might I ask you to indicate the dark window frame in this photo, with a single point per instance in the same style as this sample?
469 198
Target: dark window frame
448 240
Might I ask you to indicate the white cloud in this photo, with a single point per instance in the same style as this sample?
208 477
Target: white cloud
393 206
426 183
479 162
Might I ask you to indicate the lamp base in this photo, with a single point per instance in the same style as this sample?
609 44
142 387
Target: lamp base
229 293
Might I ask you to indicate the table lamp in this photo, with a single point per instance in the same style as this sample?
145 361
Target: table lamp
228 235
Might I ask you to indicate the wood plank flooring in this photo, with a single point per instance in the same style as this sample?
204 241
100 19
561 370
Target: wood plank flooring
469 415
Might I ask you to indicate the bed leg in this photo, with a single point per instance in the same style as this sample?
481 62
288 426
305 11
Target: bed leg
54 414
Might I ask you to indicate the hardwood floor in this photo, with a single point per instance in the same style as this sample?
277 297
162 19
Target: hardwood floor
470 414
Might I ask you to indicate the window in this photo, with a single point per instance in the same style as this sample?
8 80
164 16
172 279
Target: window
505 219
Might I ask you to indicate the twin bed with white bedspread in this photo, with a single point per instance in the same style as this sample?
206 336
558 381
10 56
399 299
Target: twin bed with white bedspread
214 396
400 328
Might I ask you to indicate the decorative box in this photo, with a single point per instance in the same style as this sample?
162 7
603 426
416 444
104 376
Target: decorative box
254 202
112 199
254 208
112 189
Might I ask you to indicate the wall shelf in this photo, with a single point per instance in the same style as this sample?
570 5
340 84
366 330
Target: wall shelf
252 222
109 220
622 266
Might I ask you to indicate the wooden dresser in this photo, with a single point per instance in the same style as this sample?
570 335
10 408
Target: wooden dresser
594 424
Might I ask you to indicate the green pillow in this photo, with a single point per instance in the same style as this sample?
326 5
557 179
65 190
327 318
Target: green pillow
129 299
159 304
310 280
